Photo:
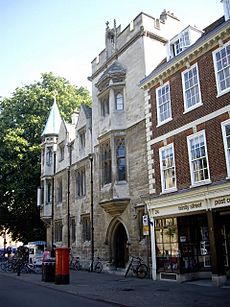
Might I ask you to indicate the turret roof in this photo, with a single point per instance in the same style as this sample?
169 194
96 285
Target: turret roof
53 122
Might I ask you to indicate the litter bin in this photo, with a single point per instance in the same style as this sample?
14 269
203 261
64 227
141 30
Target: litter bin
48 270
62 265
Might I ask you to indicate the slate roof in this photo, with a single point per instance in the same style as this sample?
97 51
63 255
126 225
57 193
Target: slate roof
53 122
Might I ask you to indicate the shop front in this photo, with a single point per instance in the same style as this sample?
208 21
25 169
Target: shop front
192 235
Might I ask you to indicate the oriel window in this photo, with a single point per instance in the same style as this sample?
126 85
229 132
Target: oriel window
119 101
121 160
106 164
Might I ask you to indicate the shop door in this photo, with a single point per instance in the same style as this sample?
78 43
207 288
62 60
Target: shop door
225 234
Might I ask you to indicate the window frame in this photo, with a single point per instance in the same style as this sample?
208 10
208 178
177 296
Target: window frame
121 142
106 163
62 151
86 228
197 104
116 101
73 230
162 170
80 178
226 90
189 138
82 138
58 231
104 104
48 192
226 149
159 121
59 191
49 155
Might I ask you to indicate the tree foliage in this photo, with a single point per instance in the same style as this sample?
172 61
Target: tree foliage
22 120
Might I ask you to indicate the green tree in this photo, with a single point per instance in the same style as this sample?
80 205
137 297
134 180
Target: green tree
22 120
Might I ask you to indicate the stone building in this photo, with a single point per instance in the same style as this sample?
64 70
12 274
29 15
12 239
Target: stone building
188 124
98 172
118 134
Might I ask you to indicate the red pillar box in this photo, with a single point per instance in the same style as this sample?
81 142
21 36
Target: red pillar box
62 266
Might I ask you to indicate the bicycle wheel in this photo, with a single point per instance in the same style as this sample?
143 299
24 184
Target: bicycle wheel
77 266
142 271
24 269
98 267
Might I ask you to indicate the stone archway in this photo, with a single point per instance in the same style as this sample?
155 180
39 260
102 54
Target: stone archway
119 248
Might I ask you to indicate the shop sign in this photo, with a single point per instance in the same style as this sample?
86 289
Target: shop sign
221 202
190 207
145 225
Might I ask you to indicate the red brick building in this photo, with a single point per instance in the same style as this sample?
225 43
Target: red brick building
188 143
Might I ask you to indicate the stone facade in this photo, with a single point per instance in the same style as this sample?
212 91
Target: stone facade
108 144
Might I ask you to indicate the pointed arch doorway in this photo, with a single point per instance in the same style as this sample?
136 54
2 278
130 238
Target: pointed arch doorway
120 253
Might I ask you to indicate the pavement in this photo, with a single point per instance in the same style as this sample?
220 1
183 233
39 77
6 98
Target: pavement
119 291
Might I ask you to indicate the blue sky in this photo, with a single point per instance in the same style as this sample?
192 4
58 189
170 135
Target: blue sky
64 36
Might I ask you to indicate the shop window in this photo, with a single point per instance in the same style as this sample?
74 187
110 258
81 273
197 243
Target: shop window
198 158
221 59
191 88
167 245
194 243
168 169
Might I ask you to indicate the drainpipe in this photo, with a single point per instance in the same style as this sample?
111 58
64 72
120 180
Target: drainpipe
68 194
52 208
91 205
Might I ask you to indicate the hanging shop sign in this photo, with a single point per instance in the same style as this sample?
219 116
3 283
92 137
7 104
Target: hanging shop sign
145 225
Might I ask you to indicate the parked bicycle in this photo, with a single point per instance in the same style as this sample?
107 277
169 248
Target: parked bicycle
30 268
138 267
75 264
96 265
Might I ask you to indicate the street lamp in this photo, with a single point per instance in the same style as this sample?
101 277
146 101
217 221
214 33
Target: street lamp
91 205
